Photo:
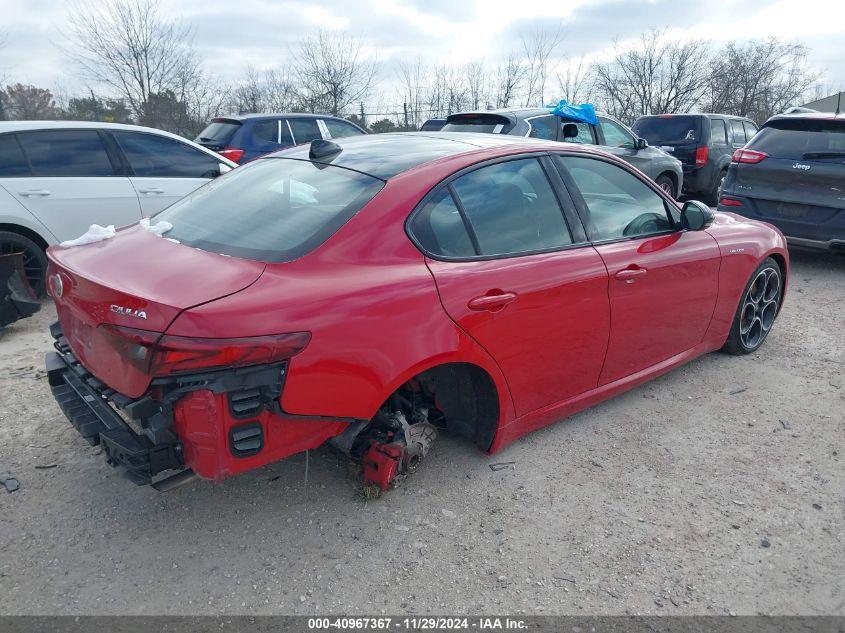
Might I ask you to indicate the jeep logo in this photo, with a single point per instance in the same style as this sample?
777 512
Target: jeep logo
801 166
138 314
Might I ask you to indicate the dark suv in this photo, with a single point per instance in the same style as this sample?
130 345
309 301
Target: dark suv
702 142
792 175
244 137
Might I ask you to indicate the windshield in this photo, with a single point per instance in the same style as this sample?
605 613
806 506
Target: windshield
805 139
272 210
669 129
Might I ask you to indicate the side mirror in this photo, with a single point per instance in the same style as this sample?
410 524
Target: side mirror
570 130
641 144
696 216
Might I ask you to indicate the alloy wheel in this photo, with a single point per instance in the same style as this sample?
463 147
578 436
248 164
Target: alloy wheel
759 308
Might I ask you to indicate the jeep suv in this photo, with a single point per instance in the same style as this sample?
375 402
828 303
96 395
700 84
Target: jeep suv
791 175
702 142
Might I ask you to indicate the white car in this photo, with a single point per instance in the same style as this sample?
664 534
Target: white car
57 178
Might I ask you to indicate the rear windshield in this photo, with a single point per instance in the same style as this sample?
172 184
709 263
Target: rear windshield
477 123
669 130
802 139
218 132
271 210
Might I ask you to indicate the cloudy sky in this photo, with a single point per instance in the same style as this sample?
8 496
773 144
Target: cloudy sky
230 35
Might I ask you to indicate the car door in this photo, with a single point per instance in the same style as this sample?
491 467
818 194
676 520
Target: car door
619 141
663 281
74 182
163 169
514 270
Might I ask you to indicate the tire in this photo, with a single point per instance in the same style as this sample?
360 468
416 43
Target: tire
34 258
665 182
716 192
758 308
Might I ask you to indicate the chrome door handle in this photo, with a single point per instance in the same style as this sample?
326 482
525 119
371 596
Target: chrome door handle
34 192
491 303
151 190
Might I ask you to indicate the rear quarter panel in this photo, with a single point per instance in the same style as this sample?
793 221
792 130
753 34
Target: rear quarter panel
743 244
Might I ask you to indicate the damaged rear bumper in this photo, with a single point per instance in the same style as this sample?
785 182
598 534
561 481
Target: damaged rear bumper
92 409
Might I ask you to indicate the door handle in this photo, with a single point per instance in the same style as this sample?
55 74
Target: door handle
34 192
151 190
629 275
491 302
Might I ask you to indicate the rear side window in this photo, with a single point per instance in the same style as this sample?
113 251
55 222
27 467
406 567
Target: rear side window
266 131
669 129
218 132
619 204
544 127
12 161
511 208
304 130
803 139
339 129
272 210
718 132
738 132
66 153
162 157
585 133
440 229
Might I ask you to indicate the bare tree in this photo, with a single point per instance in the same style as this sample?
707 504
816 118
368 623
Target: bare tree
655 75
476 84
333 71
129 47
413 88
508 81
575 82
538 46
265 91
759 78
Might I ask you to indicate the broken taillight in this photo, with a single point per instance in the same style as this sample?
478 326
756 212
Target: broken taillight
162 355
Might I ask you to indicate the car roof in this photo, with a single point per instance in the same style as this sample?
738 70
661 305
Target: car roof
386 155
519 113
701 114
276 115
812 116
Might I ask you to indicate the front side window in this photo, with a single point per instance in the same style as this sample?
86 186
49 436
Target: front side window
718 132
150 155
271 210
12 161
738 132
440 229
544 127
615 135
750 130
66 153
511 208
339 129
619 205
304 130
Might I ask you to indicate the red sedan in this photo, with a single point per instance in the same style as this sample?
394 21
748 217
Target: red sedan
374 291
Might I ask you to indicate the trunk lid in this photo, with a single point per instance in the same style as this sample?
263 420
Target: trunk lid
135 280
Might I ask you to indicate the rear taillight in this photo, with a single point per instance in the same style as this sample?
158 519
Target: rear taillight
232 153
728 202
701 155
748 156
162 355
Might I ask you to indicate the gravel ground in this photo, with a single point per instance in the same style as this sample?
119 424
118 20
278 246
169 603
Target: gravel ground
718 488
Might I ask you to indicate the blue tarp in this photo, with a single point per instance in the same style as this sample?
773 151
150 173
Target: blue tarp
584 113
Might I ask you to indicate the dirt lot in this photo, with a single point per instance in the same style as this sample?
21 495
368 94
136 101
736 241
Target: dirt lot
718 488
